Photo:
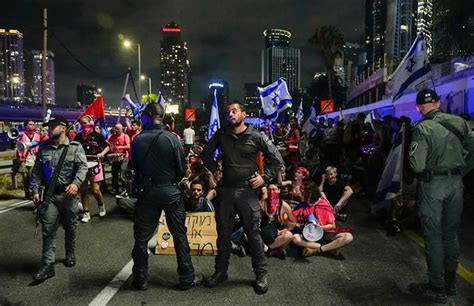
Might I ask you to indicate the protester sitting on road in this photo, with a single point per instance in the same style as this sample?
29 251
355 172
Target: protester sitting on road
335 191
315 204
297 186
197 170
196 201
275 235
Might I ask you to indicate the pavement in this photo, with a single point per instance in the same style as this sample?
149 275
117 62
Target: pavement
376 269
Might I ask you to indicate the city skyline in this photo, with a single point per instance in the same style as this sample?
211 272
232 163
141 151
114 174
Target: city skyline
223 46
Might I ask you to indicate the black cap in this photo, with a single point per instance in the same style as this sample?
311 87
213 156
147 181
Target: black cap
56 120
426 96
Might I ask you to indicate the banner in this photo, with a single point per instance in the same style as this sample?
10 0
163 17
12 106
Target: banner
326 106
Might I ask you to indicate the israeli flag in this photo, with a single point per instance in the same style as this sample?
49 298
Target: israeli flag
160 99
311 123
214 122
137 108
299 113
275 99
390 183
413 71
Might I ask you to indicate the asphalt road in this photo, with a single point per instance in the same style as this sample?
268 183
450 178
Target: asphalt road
375 271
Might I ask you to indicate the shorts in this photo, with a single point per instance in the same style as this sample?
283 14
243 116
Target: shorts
269 233
95 174
327 238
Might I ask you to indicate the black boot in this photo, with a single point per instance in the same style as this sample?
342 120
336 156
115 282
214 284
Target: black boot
216 279
261 284
140 284
70 259
45 272
428 292
198 279
450 283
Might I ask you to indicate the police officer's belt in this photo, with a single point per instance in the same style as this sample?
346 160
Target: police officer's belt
151 182
58 189
238 184
448 172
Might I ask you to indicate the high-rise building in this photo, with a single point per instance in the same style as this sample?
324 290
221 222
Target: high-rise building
350 64
279 59
86 94
375 27
407 25
12 78
252 101
34 77
174 67
424 22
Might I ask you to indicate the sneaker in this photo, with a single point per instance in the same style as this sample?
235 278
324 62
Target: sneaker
428 292
102 211
86 217
238 250
70 259
307 252
261 285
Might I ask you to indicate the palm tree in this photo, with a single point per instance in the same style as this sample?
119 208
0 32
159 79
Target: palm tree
329 43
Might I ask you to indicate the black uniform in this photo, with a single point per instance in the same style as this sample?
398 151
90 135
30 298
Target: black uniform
159 163
239 154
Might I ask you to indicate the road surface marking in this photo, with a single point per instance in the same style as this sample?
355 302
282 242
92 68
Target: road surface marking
16 205
462 271
111 289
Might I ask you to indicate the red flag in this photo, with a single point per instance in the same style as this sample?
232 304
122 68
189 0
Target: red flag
96 110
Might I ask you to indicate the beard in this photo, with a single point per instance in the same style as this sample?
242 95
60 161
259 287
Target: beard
236 123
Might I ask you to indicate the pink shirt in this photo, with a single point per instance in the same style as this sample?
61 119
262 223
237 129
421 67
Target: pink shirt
119 141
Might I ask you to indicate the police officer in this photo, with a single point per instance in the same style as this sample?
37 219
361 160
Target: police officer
241 183
437 155
63 204
158 160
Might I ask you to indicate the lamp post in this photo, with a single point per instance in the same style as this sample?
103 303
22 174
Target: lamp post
128 44
143 77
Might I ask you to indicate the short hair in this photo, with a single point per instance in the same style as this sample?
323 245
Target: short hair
154 110
241 106
87 117
331 168
25 123
136 122
196 181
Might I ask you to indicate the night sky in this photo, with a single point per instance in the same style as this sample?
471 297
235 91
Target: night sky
224 37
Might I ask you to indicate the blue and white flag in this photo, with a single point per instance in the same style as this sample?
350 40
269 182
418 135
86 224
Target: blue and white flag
391 181
160 99
214 122
275 99
413 71
299 113
136 108
311 123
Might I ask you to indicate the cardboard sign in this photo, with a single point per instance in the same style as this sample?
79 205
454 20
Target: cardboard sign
201 233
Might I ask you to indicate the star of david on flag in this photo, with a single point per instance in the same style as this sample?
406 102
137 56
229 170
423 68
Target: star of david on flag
275 99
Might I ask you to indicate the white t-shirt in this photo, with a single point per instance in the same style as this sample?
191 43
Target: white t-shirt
188 134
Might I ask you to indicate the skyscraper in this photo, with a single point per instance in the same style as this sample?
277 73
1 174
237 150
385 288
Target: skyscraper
375 28
350 64
279 59
174 67
12 78
424 22
252 101
34 82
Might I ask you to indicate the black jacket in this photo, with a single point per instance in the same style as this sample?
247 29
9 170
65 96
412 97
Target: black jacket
157 155
239 155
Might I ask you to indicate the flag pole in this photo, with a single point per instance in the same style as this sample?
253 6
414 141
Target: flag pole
402 156
125 85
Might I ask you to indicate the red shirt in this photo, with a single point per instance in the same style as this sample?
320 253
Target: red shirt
322 210
119 141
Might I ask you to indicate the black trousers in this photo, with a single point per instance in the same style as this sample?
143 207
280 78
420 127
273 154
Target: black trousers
147 213
245 202
116 179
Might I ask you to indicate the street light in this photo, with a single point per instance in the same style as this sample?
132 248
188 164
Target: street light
128 44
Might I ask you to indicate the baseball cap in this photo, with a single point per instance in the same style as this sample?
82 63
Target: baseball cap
426 96
56 120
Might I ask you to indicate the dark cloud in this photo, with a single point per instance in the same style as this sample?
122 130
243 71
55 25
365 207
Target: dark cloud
224 38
